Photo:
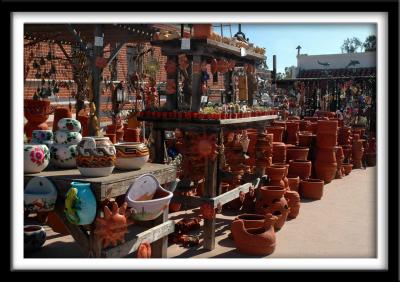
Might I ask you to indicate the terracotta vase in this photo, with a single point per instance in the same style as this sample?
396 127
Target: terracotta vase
293 199
296 153
292 129
326 141
278 152
305 138
277 131
326 155
60 113
255 241
327 126
325 171
311 188
294 183
36 112
301 168
275 175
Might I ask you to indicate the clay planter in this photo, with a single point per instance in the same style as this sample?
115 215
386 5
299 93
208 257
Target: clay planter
296 153
305 138
277 131
325 171
326 155
326 141
293 183
371 159
271 199
251 220
327 126
292 128
301 168
282 215
60 113
275 174
347 168
36 112
357 153
285 180
311 188
278 152
255 241
304 125
293 199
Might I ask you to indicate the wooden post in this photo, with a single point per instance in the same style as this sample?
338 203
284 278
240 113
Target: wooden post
159 247
210 192
96 74
172 99
196 83
159 145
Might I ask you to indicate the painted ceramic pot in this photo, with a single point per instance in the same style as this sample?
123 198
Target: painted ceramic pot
41 136
147 198
312 188
67 137
131 155
325 171
63 156
255 241
301 168
95 156
40 195
34 237
80 204
69 124
36 158
296 153
347 168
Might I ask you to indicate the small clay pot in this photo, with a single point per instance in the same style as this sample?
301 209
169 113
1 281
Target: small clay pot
294 183
311 188
276 173
301 168
296 153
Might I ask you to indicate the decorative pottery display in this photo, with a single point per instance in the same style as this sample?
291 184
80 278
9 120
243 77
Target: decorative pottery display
80 204
67 137
44 137
110 230
36 158
69 124
40 195
34 237
96 156
147 198
131 155
311 188
255 241
63 156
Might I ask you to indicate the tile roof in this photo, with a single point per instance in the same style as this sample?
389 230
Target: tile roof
349 72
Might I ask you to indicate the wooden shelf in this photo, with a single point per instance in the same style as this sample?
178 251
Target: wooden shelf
137 235
110 186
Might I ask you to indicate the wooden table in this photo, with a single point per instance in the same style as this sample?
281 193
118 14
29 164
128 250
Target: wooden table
212 194
117 184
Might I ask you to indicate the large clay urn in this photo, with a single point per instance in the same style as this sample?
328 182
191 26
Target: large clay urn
259 241
275 175
60 113
36 112
301 168
293 199
277 131
296 153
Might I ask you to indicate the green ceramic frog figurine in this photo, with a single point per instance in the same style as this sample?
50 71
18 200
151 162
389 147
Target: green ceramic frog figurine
72 204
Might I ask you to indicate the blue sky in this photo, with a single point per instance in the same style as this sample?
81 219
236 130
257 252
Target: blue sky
315 39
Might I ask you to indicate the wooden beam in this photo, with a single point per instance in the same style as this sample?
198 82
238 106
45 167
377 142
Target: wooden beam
234 193
115 53
78 39
196 83
210 192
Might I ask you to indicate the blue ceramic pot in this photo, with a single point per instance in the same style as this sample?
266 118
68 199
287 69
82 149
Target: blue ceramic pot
34 237
80 204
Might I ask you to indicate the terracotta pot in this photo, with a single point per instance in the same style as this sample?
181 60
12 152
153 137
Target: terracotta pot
251 220
347 168
301 168
56 224
326 155
36 112
371 159
292 128
327 126
174 207
325 171
296 153
326 141
282 215
271 199
277 131
278 152
275 174
312 188
304 125
255 241
305 138
294 183
285 180
293 199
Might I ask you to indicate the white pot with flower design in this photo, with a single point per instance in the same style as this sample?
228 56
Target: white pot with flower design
36 158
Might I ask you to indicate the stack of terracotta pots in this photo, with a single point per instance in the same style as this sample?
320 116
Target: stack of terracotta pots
357 151
272 201
325 163
370 154
263 153
284 178
277 131
344 137
292 129
235 159
278 152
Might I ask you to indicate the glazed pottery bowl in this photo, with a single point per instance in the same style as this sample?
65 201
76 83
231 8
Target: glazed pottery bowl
147 198
69 124
40 136
36 158
63 156
67 137
40 195
131 155
34 237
